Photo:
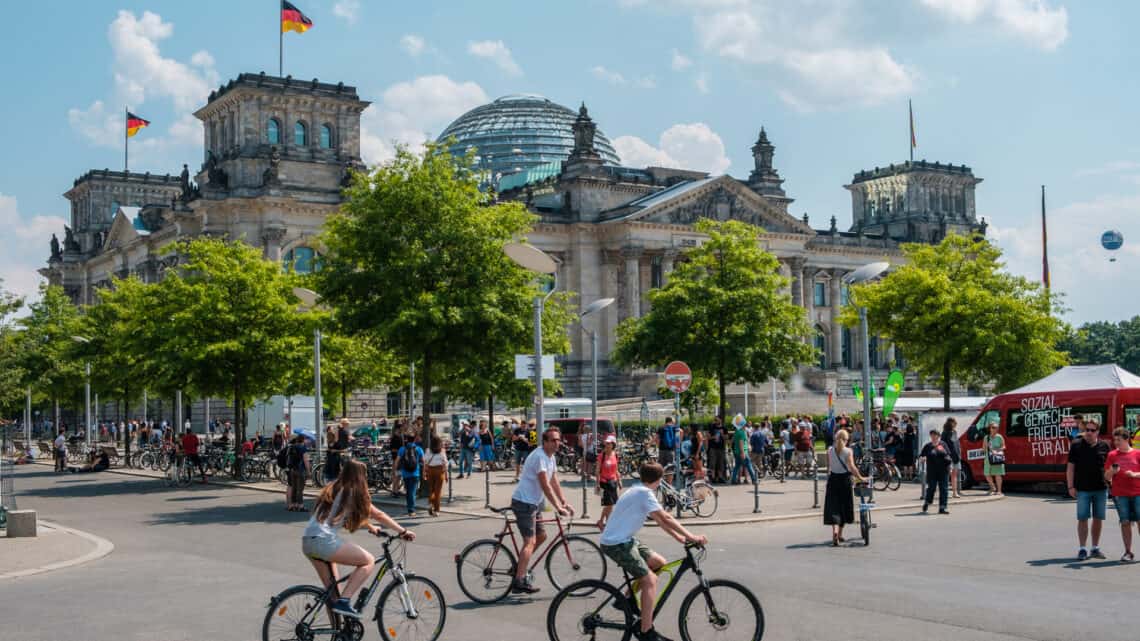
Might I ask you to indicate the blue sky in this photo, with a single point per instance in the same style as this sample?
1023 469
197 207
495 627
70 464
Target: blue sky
1026 92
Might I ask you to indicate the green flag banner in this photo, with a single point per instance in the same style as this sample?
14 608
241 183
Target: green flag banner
858 392
892 390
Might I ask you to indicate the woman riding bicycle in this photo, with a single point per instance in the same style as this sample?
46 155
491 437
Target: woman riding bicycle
345 503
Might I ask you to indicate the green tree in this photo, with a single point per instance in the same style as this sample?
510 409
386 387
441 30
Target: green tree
702 393
415 260
45 350
1103 342
350 363
226 323
958 315
722 312
11 371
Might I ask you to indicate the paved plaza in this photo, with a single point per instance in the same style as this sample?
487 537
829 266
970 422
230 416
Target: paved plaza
200 564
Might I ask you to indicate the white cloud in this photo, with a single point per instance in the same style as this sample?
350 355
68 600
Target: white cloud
702 82
142 74
497 52
837 77
645 82
413 45
607 75
412 112
26 247
1078 265
349 10
680 61
1109 168
1033 21
687 146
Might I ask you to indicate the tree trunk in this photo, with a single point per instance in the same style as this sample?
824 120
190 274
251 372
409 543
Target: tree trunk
946 385
722 402
343 397
491 412
239 424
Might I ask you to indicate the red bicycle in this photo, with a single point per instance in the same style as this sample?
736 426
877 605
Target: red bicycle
486 567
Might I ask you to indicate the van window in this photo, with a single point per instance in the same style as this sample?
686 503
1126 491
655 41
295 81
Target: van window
1131 417
1053 422
978 429
567 427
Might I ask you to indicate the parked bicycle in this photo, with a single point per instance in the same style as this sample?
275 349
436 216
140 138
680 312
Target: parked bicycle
410 607
713 609
486 568
866 504
698 497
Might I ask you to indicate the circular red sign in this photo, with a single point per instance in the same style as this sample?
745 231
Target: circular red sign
678 377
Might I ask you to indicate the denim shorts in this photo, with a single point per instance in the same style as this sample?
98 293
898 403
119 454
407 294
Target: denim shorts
321 547
1091 503
1127 507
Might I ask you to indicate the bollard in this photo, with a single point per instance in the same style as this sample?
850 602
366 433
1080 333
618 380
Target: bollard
585 511
814 483
487 485
756 493
449 481
783 465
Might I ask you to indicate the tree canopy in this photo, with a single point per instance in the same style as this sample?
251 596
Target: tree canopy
956 314
724 311
1102 342
415 260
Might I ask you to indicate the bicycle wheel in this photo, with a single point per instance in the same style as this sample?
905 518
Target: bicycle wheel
601 613
865 525
164 462
727 610
704 499
291 616
882 477
428 610
896 477
485 570
573 559
185 474
318 475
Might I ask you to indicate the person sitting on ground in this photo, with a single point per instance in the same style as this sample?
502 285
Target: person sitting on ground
618 541
101 462
345 503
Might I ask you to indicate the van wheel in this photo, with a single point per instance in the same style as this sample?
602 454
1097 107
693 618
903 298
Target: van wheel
966 478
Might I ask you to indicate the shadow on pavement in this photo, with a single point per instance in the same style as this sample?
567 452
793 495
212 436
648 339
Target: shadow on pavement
195 498
808 546
100 487
508 601
230 515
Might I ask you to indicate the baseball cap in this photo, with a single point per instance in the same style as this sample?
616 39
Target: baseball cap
611 439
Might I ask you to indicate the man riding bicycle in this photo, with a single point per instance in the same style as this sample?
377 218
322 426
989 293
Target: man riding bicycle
538 482
640 562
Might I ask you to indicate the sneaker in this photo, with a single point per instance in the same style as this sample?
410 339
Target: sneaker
651 635
344 608
1082 555
925 506
1127 558
943 511
1095 553
519 586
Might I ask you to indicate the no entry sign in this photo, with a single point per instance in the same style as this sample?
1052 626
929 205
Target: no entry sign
678 377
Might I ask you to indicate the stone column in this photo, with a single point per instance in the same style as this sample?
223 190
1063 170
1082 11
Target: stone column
890 355
632 258
797 266
272 239
836 329
809 298
667 260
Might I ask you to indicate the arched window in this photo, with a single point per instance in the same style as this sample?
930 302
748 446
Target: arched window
821 346
300 134
301 260
848 356
273 132
326 137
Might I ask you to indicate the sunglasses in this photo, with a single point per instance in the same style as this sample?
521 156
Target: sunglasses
1093 430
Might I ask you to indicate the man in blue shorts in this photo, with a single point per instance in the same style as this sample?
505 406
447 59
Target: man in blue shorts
1085 476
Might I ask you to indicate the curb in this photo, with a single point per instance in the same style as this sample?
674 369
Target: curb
578 522
103 547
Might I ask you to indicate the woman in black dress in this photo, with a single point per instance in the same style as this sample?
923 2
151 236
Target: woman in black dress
838 501
904 456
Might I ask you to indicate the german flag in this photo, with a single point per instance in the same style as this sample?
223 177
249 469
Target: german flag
134 123
292 19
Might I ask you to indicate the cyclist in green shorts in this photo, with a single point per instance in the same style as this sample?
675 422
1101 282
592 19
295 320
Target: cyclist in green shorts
618 542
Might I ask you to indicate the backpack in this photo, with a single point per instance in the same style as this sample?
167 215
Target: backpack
757 441
532 438
409 462
669 437
283 457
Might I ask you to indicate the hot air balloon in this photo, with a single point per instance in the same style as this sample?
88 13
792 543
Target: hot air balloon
1112 240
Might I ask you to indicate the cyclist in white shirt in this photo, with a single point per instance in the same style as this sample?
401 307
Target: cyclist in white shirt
618 542
538 483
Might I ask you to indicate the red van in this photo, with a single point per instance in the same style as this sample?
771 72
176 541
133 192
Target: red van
1038 420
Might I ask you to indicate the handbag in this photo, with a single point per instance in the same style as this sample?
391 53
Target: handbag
996 457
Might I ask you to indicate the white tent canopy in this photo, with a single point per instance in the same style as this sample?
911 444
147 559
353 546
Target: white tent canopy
1082 378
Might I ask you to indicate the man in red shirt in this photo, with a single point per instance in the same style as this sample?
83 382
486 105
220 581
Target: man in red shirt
190 450
1122 471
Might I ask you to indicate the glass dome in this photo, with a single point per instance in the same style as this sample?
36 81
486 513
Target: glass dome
518 132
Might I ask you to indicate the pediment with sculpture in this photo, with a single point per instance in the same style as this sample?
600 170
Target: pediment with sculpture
722 199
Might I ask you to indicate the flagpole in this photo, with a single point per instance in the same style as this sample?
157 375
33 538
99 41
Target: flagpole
280 44
126 138
1044 244
910 111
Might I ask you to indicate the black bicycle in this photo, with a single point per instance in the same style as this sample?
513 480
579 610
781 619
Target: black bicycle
410 606
713 609
866 503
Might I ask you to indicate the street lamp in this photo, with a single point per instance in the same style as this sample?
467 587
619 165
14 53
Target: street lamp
309 301
593 307
534 259
865 274
86 392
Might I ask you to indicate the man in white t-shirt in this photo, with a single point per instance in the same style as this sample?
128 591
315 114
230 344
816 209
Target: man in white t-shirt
620 545
538 483
59 451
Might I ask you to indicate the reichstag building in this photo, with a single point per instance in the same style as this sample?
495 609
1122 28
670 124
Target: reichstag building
277 152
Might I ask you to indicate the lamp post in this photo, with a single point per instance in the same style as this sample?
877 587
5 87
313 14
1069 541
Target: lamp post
592 308
86 392
864 274
309 301
534 259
